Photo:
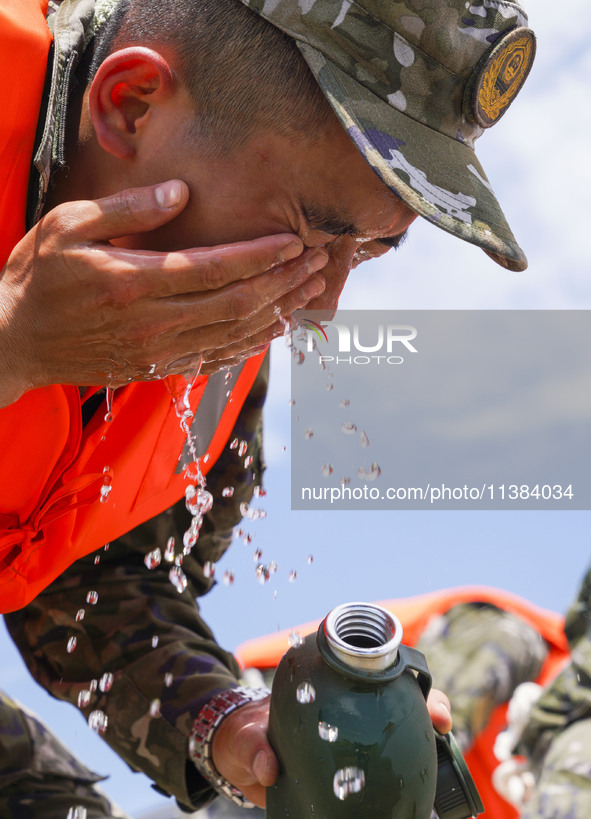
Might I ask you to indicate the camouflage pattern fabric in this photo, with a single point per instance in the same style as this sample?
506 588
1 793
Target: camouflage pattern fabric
557 739
478 654
164 661
413 83
39 777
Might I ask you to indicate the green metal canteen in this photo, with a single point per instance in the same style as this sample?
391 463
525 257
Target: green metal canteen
350 727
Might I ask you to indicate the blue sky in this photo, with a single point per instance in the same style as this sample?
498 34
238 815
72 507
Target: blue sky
537 161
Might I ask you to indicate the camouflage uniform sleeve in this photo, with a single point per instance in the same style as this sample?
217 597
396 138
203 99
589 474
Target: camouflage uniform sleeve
557 738
478 654
143 655
38 774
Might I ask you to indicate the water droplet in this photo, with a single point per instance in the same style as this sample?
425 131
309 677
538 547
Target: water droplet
227 491
106 547
178 579
198 500
155 708
228 577
326 470
169 550
97 560
310 560
284 449
259 492
106 682
344 403
329 733
329 387
248 461
262 573
293 576
168 679
234 443
204 500
348 428
370 474
71 646
105 492
155 640
305 693
208 568
295 639
247 538
109 393
77 812
92 598
92 686
309 433
299 356
344 481
291 402
189 540
347 781
258 553
153 558
83 698
364 440
98 722
272 567
252 513
242 448
80 615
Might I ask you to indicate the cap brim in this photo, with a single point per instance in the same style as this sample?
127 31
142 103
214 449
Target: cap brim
438 177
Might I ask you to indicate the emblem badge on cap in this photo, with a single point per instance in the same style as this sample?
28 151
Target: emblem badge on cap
499 76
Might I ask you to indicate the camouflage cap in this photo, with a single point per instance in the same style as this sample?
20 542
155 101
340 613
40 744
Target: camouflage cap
414 83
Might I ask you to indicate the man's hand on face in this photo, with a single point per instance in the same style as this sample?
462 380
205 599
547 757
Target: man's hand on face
76 309
242 754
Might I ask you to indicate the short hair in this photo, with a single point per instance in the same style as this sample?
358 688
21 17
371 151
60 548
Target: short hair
242 73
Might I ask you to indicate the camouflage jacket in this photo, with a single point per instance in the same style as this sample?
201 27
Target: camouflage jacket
164 661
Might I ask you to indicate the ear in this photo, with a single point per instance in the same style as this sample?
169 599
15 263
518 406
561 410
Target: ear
124 89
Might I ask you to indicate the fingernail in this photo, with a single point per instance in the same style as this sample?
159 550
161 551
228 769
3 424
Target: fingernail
314 287
444 712
168 194
291 251
259 766
316 261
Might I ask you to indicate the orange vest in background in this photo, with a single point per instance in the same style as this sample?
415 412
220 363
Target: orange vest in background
52 469
414 614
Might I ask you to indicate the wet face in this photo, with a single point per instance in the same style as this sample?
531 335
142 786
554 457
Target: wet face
319 188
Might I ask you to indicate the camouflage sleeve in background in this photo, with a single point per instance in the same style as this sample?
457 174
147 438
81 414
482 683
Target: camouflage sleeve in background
40 777
557 738
153 660
478 654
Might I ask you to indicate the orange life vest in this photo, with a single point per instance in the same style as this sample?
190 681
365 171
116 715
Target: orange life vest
53 469
414 613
